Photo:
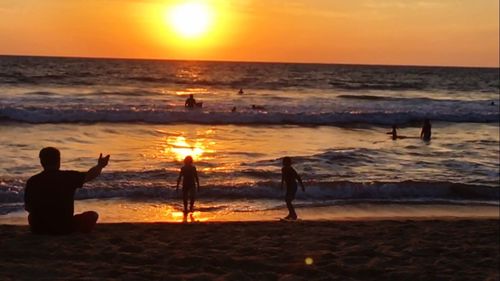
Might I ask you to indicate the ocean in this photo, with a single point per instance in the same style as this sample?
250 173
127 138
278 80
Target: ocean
331 119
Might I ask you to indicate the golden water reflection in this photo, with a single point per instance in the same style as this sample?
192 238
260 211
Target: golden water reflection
174 215
179 146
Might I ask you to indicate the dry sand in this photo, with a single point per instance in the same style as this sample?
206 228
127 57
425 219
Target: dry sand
340 250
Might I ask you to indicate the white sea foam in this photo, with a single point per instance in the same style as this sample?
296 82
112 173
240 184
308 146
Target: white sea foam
156 116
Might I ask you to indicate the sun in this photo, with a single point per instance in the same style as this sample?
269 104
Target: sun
190 19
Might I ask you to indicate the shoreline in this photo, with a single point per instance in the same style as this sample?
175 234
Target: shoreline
304 250
119 210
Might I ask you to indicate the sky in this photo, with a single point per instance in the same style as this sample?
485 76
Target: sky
394 32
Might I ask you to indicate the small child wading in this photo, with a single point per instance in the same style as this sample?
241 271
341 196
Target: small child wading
189 183
290 177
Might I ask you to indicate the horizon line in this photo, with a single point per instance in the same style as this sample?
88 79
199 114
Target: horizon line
246 61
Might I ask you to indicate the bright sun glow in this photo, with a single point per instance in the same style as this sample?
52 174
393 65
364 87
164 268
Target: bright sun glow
191 19
179 147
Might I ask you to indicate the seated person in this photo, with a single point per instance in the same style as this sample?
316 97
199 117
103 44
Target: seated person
49 196
190 102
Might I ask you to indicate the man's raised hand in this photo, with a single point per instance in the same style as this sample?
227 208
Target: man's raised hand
103 161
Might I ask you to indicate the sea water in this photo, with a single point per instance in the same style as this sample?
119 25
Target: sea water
331 119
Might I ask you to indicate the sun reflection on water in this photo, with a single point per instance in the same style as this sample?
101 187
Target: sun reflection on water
174 215
179 146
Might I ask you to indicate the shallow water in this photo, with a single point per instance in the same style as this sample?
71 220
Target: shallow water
121 210
239 162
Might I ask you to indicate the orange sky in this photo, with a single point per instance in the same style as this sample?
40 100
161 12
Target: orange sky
429 32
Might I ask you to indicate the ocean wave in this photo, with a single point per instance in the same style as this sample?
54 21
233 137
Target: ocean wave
159 116
136 93
315 191
385 98
379 85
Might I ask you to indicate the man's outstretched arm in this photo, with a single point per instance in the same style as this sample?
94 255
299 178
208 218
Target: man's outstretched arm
95 171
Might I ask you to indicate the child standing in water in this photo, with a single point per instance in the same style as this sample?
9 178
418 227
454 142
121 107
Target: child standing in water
190 181
290 177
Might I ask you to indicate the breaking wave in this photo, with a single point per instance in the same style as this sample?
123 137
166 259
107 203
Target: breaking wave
157 116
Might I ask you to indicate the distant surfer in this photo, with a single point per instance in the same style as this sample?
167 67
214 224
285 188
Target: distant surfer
394 133
190 181
233 109
190 102
240 92
425 134
257 107
290 177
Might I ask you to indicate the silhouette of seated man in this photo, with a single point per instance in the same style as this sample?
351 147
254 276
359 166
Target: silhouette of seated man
49 196
190 102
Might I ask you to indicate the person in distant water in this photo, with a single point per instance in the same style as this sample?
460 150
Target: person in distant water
49 196
189 183
394 132
290 177
240 92
233 109
257 107
190 102
425 134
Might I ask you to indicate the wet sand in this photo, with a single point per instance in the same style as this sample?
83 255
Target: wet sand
338 250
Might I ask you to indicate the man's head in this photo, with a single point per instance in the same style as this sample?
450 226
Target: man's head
287 161
50 158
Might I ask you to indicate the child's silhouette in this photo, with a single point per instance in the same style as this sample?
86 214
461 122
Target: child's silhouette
290 177
190 181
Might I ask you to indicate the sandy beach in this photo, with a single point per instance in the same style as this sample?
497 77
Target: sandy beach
335 250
